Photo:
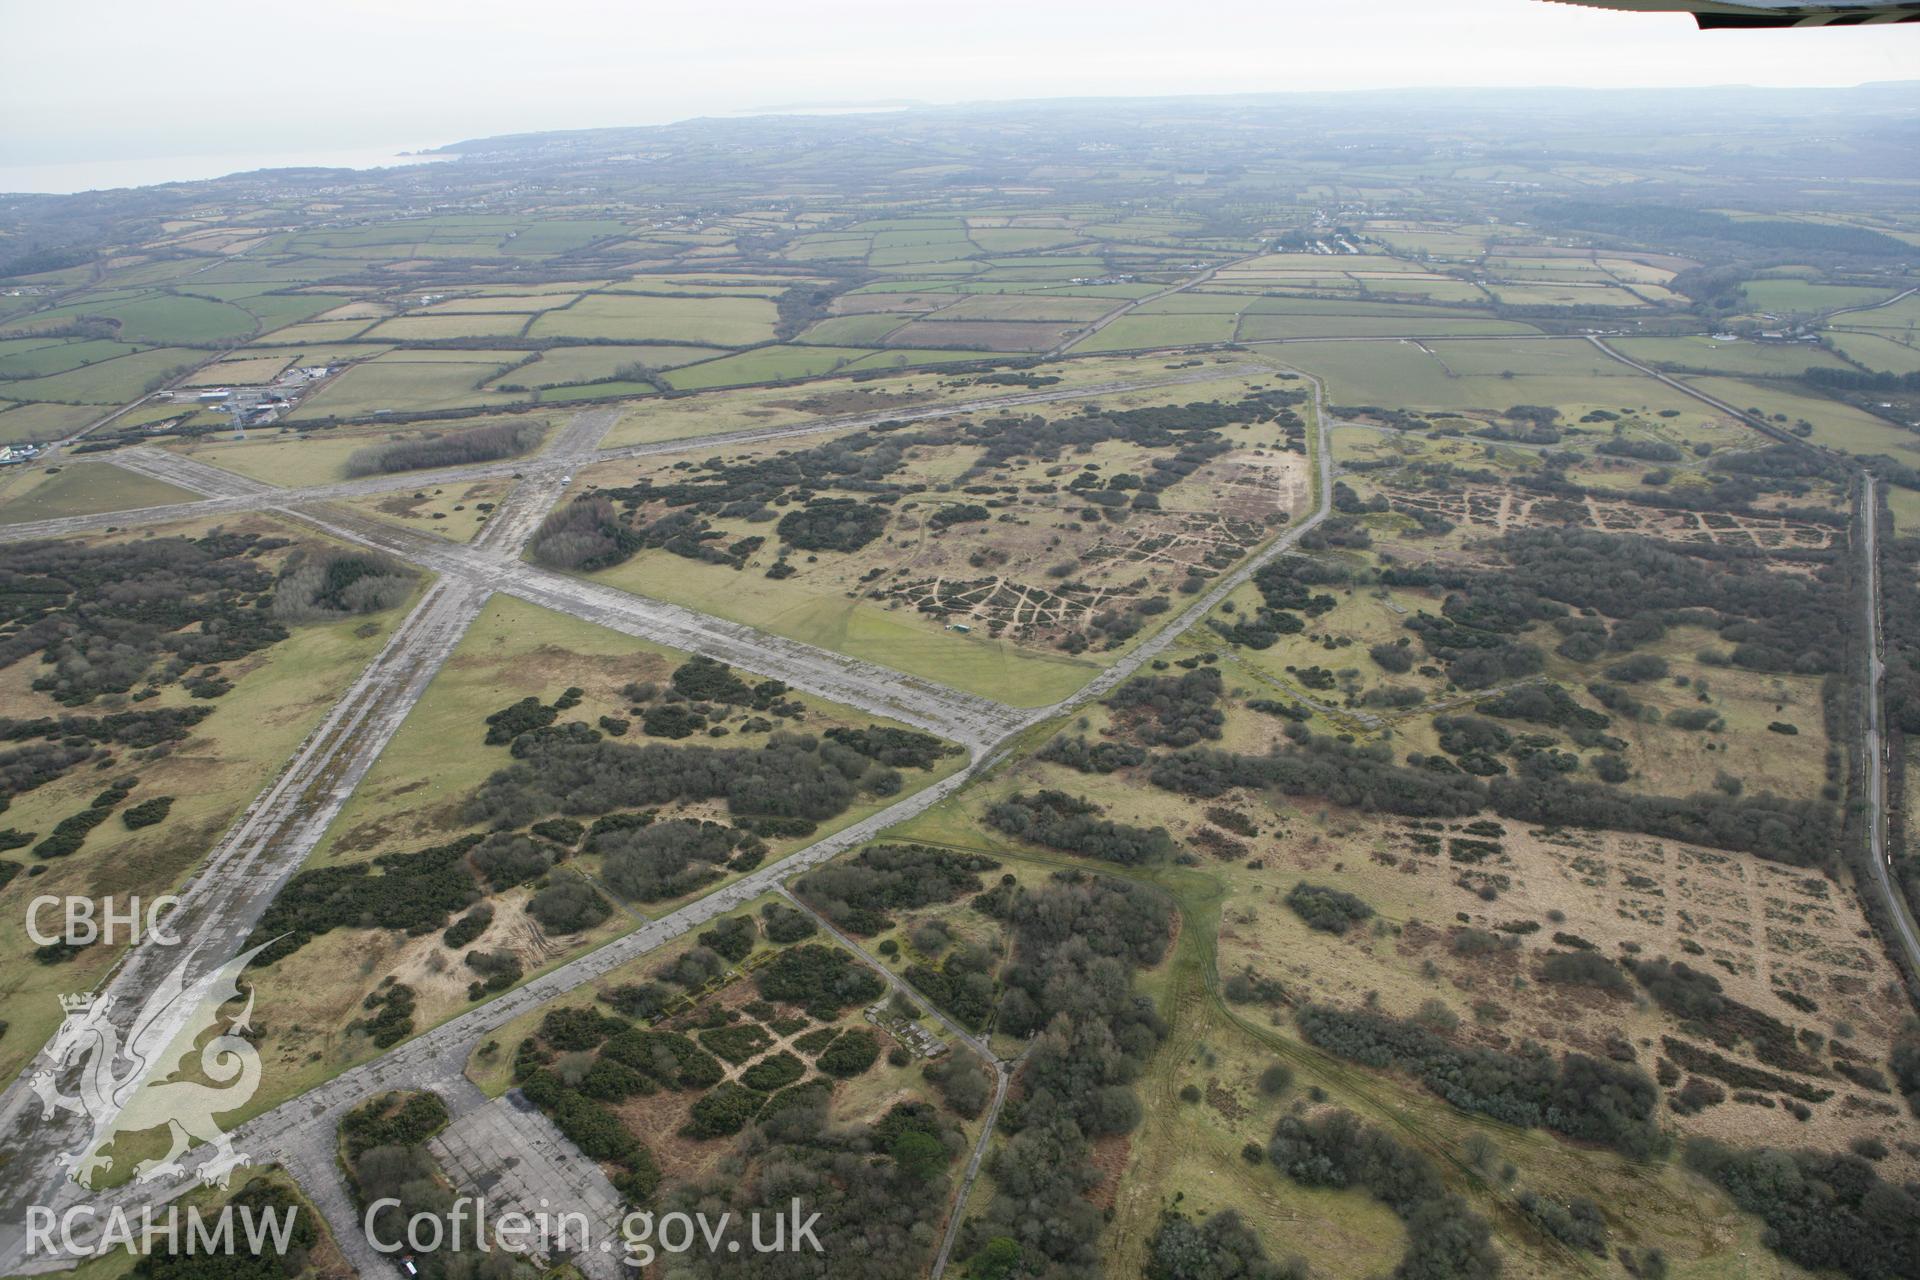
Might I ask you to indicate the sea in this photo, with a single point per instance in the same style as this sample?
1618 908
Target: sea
66 178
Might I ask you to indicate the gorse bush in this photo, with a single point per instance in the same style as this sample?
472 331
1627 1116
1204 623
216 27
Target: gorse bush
1822 1211
336 586
1060 821
1328 910
1580 1096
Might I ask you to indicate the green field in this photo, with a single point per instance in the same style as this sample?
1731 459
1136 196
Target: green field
1883 354
1027 306
765 364
1437 290
113 381
724 322
82 489
1193 301
996 668
523 304
179 318
1802 296
595 391
37 358
1753 359
1567 373
1256 328
1132 332
1563 295
298 458
404 387
851 330
250 371
567 366
316 333
31 423
1835 425
431 328
160 317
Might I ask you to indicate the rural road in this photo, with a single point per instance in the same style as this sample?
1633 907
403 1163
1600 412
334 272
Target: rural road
1879 861
1906 937
1876 306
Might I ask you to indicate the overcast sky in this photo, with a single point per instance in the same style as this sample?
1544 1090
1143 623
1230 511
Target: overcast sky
162 82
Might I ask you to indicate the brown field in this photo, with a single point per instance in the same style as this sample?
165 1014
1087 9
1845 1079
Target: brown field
859 304
1013 306
1759 927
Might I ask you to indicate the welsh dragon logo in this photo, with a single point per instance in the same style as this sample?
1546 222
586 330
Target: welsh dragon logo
124 1088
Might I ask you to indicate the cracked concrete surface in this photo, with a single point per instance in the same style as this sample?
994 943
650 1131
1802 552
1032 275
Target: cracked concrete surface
510 1155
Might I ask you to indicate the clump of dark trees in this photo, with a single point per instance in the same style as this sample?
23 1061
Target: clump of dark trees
880 1190
1364 776
585 534
1079 754
1172 711
101 617
325 587
1900 602
825 981
1328 910
453 449
1286 591
394 1119
413 892
857 894
1347 774
575 769
1775 622
667 859
1695 998
51 746
1822 1211
1583 1097
895 748
1073 824
1076 942
179 1259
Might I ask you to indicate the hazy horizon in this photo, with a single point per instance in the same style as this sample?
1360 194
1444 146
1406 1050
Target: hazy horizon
66 177
118 84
